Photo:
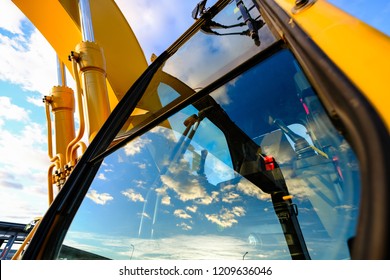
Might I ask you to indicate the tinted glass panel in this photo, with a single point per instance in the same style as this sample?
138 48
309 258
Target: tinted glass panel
221 45
254 170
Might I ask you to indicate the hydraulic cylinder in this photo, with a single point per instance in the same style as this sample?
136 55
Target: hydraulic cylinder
93 79
63 106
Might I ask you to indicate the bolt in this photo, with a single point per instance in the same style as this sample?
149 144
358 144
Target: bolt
74 55
300 3
47 99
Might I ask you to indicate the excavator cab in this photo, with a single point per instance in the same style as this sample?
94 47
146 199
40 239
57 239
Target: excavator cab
238 153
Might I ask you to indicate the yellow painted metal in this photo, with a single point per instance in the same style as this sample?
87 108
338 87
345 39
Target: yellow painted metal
63 107
47 100
360 51
58 21
79 145
18 253
92 68
287 197
70 157
50 182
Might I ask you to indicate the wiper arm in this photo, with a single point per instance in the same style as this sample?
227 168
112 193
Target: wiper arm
207 28
254 25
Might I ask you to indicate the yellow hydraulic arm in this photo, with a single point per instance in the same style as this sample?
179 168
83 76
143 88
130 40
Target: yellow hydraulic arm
104 66
58 21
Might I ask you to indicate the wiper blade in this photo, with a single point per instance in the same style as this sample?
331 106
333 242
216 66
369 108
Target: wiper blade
254 25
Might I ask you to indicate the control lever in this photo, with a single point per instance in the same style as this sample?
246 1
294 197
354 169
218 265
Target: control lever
302 147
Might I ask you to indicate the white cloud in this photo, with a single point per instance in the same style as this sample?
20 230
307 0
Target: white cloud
21 205
220 171
11 17
24 163
192 209
238 211
186 185
34 133
226 218
22 152
166 200
231 197
99 198
299 188
133 195
101 176
9 111
157 24
162 190
186 190
9 180
208 199
250 189
184 226
37 101
28 61
180 213
168 134
221 94
134 147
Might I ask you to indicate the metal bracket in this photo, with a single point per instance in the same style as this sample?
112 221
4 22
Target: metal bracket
301 5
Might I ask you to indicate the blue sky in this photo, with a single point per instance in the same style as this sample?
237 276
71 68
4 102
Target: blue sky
375 13
25 57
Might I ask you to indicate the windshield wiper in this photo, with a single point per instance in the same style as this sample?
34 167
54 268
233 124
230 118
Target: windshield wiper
254 25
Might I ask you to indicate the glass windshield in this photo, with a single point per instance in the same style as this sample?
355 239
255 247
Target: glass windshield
254 170
221 45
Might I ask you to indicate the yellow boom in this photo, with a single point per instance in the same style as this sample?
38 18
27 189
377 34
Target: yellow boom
104 68
59 23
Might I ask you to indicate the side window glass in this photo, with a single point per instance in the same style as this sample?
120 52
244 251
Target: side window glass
255 170
166 94
221 45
